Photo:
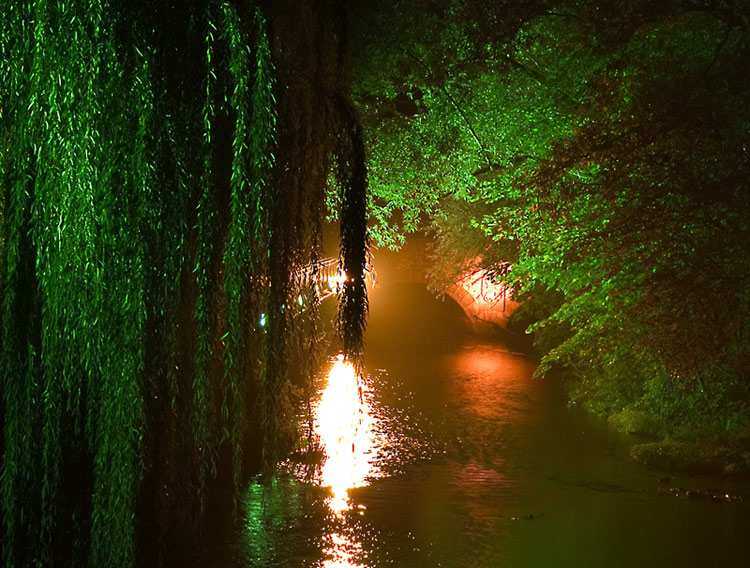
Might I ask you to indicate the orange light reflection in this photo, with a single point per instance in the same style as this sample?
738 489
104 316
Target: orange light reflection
342 552
345 426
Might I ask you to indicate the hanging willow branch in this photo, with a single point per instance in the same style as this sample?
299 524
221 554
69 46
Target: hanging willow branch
206 219
245 249
146 226
79 363
352 177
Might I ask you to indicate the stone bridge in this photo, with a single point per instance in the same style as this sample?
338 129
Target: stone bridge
487 305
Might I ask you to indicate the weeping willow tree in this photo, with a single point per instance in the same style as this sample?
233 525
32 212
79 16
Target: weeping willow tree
162 184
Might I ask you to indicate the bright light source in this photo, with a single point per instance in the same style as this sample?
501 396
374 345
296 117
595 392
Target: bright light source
344 424
482 286
337 279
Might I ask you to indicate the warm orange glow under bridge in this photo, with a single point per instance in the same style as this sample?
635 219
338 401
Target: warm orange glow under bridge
484 302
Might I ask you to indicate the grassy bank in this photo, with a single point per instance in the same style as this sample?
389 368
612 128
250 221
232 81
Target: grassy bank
701 426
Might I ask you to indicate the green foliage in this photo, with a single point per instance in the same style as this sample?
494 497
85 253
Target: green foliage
600 149
141 209
85 350
711 456
633 422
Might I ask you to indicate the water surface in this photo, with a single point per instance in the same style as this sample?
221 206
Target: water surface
454 456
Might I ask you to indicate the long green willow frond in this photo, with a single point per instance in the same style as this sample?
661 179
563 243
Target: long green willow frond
140 203
245 248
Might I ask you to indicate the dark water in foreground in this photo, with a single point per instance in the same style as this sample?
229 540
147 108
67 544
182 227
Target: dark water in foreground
474 463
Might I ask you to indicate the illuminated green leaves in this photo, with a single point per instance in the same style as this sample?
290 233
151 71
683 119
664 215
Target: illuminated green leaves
612 175
110 261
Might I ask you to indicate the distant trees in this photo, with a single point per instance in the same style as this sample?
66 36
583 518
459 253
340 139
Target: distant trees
601 148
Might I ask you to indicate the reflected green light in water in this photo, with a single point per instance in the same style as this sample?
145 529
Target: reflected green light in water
274 516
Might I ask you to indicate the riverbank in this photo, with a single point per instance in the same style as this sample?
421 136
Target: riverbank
728 456
698 444
673 450
679 427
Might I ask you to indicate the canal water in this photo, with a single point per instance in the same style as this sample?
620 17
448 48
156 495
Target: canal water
448 453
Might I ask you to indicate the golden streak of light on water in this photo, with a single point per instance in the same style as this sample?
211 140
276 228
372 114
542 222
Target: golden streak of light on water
345 426
341 553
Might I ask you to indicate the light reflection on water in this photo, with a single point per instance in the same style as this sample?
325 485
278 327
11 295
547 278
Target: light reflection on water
342 552
343 421
344 424
460 458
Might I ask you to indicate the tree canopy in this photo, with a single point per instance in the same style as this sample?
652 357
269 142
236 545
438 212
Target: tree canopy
594 154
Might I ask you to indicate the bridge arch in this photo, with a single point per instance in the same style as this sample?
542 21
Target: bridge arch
484 302
487 305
